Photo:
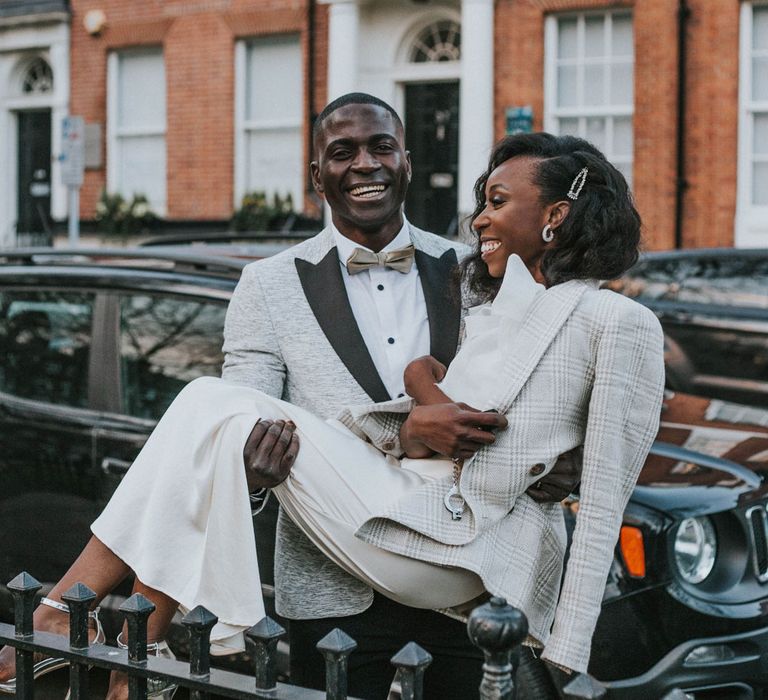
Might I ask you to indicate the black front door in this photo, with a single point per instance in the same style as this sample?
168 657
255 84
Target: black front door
432 136
34 201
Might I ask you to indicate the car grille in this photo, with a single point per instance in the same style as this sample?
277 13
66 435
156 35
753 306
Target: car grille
757 518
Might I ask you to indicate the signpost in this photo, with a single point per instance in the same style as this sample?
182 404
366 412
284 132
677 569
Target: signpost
72 161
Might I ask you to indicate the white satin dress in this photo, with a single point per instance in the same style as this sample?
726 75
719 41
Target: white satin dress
181 518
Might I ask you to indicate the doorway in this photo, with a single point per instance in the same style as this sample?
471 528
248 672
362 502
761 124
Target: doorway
34 175
432 136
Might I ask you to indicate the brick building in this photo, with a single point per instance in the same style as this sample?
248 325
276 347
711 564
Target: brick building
196 102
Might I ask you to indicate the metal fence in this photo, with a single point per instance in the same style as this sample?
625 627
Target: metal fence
496 628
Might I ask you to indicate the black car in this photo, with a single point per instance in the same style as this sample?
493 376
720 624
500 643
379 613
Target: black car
713 305
96 344
94 347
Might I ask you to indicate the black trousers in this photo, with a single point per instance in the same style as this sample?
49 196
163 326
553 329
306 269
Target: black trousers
380 632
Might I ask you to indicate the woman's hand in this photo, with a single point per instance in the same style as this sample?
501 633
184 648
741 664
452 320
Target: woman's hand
451 429
420 377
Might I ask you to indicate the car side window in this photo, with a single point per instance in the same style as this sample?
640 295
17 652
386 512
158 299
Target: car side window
651 280
728 281
45 337
166 342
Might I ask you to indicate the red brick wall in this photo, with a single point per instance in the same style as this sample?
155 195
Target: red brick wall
710 131
199 68
712 123
655 120
519 47
198 40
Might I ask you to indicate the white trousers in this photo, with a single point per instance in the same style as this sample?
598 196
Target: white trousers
181 517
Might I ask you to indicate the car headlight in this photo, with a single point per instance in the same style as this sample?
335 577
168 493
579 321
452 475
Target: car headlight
695 549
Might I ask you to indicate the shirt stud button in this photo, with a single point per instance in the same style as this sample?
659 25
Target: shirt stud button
537 469
380 287
391 341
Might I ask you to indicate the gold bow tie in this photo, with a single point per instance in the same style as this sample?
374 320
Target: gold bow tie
400 260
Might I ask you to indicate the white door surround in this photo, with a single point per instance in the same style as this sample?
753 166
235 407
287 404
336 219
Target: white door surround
22 45
370 46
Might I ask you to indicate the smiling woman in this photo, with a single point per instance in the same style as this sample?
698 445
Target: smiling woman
526 203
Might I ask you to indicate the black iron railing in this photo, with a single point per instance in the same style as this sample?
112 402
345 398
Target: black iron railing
496 628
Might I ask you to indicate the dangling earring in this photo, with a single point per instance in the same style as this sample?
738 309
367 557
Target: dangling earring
547 234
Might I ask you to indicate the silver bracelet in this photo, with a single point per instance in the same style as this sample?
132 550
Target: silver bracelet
259 499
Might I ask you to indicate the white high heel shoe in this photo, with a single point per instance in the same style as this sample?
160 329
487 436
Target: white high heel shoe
156 688
51 663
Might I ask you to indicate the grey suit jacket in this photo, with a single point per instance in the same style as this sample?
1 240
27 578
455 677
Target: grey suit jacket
290 332
585 368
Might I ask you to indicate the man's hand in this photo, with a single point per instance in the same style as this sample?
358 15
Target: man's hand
269 453
561 481
451 429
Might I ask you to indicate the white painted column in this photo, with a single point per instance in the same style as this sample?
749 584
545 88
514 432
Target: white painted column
343 40
59 54
476 97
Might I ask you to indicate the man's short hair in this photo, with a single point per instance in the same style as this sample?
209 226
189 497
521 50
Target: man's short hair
352 98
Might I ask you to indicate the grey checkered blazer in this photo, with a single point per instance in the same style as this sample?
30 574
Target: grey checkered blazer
586 368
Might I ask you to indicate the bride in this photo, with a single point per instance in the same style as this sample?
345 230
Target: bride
564 362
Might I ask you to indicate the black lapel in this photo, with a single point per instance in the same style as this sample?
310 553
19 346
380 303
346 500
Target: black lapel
327 297
443 304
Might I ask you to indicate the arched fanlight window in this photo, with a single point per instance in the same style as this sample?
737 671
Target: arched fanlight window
38 77
440 41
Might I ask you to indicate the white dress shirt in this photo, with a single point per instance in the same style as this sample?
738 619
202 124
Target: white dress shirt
390 311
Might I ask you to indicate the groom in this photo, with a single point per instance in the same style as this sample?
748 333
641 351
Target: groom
324 325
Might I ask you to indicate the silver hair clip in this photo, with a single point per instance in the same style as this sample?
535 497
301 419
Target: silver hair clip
578 184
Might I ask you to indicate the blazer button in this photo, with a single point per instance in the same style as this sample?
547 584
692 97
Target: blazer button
537 469
388 445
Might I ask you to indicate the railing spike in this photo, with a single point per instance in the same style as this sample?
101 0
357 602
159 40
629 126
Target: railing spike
23 588
137 610
264 636
336 647
584 687
79 598
411 662
199 622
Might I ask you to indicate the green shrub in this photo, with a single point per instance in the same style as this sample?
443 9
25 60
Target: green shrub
116 215
257 213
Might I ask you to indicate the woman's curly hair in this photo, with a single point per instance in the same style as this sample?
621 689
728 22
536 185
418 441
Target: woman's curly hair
600 236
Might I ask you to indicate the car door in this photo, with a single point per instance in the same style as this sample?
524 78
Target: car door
163 340
50 489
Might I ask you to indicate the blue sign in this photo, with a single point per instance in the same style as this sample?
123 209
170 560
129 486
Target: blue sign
520 120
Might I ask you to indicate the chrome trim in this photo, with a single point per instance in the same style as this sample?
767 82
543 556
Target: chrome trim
762 576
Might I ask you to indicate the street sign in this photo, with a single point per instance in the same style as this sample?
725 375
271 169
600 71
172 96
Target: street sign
72 156
519 120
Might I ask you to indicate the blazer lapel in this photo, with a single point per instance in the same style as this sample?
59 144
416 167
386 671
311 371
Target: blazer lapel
327 297
541 324
443 306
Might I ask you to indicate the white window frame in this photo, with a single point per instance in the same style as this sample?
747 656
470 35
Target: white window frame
751 224
115 131
553 113
244 126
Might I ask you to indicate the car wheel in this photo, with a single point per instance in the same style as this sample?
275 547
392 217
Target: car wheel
533 680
